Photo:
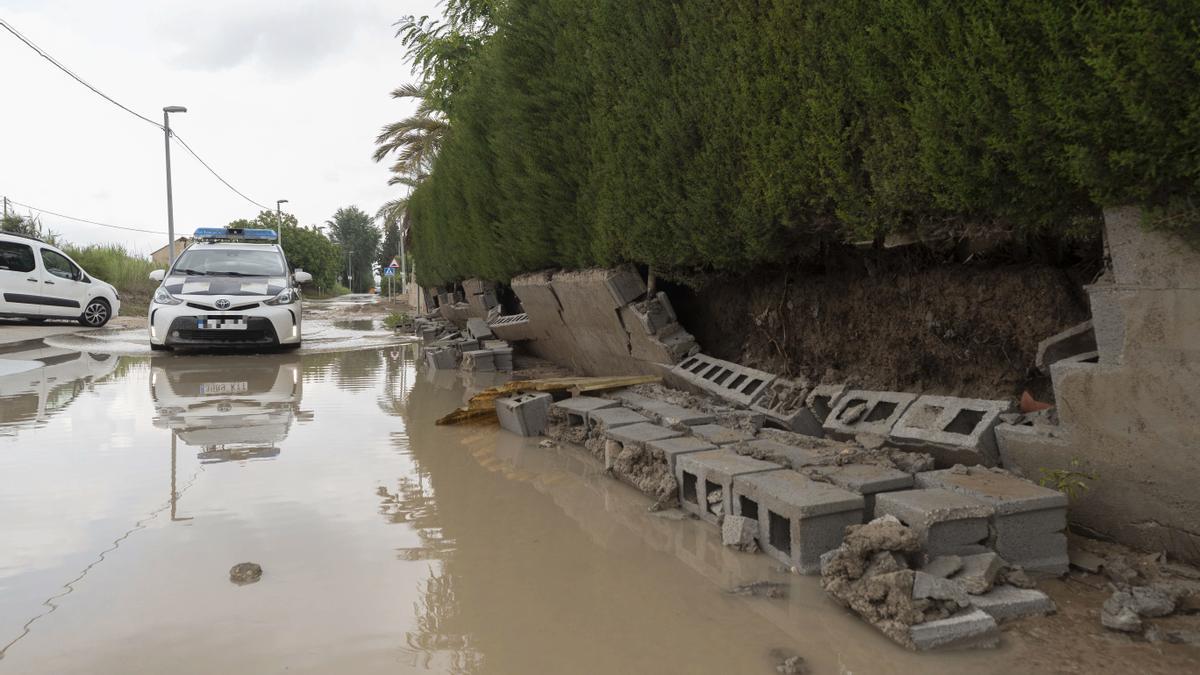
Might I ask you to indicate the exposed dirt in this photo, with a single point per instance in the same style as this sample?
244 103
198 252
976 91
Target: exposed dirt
892 320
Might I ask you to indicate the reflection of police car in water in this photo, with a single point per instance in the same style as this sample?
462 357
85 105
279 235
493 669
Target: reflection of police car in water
39 383
232 288
233 408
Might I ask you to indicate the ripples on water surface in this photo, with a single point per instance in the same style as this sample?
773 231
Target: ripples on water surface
130 486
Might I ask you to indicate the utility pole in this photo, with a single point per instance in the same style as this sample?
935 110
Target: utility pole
6 207
403 263
170 205
279 218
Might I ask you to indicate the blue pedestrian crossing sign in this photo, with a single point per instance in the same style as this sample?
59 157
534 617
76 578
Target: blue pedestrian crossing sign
389 271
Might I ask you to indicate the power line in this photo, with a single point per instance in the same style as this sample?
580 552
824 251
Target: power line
41 52
73 76
82 220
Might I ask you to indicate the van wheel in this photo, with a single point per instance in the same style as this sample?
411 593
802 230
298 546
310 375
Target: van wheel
96 314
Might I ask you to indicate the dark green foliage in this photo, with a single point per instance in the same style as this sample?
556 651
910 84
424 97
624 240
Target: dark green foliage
714 135
355 233
306 248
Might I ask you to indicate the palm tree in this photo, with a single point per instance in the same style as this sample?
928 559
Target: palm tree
414 140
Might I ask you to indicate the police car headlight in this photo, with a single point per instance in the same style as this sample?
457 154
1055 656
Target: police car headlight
162 297
286 297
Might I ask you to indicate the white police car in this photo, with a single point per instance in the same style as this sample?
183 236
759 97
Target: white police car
231 288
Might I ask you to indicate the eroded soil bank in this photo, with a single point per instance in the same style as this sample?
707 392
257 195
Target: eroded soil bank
899 319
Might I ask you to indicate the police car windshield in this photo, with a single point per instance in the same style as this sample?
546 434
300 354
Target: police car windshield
239 262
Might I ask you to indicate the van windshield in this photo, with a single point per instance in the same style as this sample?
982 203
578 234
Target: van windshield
230 262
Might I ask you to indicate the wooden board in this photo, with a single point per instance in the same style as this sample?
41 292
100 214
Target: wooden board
482 406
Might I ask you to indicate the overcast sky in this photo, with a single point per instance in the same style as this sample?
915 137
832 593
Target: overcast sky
284 99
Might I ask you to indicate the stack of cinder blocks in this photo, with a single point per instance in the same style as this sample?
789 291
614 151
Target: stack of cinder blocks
1028 522
946 523
706 480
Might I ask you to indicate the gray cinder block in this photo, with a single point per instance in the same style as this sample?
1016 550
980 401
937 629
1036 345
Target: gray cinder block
625 284
970 628
671 448
478 329
668 413
720 435
1078 339
524 414
823 399
611 418
945 522
445 358
1009 602
953 430
798 519
480 360
867 480
1028 520
576 409
701 474
729 381
640 434
866 412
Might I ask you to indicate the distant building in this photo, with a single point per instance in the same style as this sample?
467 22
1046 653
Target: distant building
163 256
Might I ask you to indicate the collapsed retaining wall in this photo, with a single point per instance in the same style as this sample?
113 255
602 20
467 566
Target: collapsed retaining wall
600 322
1131 417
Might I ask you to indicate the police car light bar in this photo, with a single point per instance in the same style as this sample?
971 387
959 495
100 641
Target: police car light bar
235 234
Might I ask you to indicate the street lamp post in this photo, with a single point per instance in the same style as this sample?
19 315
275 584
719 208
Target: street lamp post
279 218
170 205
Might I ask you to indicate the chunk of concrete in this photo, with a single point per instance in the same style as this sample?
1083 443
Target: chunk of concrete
978 572
640 434
782 403
939 588
867 480
577 408
671 448
787 455
740 533
823 398
478 329
524 414
1076 340
866 412
625 284
799 519
1004 603
720 435
668 413
726 380
701 473
480 361
953 430
943 566
970 628
945 522
1028 520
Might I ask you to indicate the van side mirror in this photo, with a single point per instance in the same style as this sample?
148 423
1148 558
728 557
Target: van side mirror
302 277
158 275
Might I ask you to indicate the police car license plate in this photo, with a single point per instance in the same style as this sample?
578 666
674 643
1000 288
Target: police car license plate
224 388
221 323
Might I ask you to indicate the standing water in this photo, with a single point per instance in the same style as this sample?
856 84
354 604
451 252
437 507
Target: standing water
130 486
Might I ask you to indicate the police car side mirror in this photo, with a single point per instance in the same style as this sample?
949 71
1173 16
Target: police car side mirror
158 275
302 277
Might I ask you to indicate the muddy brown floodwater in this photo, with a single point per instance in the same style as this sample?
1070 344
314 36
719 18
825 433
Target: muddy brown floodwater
130 486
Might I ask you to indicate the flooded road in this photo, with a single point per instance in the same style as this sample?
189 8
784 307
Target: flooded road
129 486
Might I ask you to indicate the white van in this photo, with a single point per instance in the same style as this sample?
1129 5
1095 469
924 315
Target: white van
38 282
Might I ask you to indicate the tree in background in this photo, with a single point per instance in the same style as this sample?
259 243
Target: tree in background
355 232
306 248
390 248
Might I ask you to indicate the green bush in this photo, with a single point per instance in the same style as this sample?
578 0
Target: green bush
127 272
713 135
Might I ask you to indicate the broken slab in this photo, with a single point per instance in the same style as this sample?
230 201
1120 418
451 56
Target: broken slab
577 408
668 413
970 628
943 566
1028 520
478 329
720 435
782 453
978 572
740 533
525 414
701 474
729 381
866 412
625 284
1076 340
938 588
945 522
800 519
1004 603
954 430
671 448
783 405
639 434
867 480
823 398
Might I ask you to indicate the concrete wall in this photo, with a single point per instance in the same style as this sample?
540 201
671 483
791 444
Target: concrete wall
1132 418
576 319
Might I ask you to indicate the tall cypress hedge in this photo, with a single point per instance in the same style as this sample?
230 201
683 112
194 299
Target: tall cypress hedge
720 135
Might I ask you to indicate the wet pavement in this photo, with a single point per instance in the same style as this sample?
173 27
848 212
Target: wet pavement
129 486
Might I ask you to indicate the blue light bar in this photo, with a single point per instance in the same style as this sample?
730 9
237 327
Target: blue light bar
235 234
